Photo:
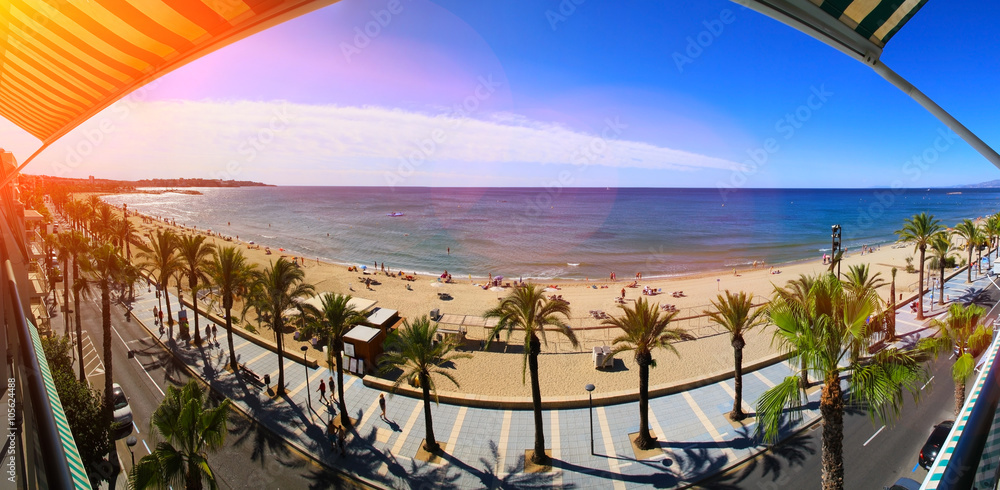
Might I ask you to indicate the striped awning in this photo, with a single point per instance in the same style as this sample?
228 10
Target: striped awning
63 61
876 20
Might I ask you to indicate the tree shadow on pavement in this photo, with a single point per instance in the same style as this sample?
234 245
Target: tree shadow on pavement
779 462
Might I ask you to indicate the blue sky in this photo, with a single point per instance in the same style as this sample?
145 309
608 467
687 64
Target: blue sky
595 97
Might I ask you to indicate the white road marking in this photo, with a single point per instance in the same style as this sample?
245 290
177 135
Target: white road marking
143 368
927 383
873 436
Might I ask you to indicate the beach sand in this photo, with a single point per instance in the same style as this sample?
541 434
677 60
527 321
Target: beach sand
564 369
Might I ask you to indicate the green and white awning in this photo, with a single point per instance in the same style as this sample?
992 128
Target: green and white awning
876 20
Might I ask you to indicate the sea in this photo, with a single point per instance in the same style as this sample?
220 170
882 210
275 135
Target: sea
559 233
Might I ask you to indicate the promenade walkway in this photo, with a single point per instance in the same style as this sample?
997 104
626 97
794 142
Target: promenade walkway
486 447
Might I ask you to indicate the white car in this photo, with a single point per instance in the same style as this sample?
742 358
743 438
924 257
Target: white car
123 412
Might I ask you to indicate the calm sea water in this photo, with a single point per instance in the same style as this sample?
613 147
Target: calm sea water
565 233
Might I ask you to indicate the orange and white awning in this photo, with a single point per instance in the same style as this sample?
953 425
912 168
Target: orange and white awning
63 61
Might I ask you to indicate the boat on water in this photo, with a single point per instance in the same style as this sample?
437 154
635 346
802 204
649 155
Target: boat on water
394 214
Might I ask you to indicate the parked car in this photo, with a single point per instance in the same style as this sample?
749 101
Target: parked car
122 413
929 452
905 484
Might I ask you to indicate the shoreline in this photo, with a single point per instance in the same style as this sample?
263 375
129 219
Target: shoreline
566 366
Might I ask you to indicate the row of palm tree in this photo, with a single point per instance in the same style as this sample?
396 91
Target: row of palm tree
927 232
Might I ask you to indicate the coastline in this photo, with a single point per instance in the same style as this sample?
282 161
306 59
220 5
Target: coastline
710 353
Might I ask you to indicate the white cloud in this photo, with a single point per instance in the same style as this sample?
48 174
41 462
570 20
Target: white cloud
252 139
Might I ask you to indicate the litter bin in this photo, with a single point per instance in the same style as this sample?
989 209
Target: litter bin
267 379
435 314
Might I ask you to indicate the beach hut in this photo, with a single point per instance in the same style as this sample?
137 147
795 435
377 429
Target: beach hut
383 319
362 348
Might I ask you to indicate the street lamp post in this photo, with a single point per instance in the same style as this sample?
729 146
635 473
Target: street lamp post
131 441
590 396
305 366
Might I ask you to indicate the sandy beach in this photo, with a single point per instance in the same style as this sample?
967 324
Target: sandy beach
565 369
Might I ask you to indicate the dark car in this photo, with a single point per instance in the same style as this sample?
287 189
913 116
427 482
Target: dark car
929 452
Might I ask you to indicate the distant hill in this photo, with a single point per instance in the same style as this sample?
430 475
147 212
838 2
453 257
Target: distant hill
982 185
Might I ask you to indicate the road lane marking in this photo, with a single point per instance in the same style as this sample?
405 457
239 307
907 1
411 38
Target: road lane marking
927 383
873 436
143 368
136 427
147 447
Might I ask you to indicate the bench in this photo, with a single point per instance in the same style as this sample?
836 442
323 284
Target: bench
252 375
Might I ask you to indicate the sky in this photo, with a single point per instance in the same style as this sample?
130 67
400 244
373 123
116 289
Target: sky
553 93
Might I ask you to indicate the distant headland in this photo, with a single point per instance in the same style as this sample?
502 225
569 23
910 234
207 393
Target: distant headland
92 184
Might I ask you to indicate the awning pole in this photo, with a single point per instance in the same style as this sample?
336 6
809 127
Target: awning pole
952 123
17 171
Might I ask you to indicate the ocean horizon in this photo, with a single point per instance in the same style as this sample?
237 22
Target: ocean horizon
559 233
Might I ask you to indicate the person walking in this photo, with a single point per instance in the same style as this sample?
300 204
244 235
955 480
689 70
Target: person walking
381 404
333 390
623 293
156 318
322 390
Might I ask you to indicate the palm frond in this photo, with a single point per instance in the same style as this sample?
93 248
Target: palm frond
772 404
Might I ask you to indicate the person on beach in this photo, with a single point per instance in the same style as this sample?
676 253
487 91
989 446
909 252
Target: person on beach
623 293
322 390
381 404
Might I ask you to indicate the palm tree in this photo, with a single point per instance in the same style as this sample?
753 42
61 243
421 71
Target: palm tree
413 349
127 234
79 248
825 330
941 249
644 328
920 229
735 314
161 257
190 427
860 280
195 255
962 332
64 253
526 308
796 291
336 317
232 274
972 235
107 267
278 288
992 230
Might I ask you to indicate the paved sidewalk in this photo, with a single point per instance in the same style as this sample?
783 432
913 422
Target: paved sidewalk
486 447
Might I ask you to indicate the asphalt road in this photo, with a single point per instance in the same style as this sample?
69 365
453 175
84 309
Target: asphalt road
252 456
874 456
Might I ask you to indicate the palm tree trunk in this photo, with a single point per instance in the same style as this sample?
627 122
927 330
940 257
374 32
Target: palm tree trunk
538 456
170 316
430 444
279 340
338 346
229 336
959 397
920 286
192 478
941 298
643 441
194 306
803 375
831 407
76 314
969 275
738 414
108 368
66 292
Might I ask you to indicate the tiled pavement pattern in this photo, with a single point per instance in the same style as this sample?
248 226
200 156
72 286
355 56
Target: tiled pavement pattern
486 447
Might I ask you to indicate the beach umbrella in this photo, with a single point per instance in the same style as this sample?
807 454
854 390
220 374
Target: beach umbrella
364 267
